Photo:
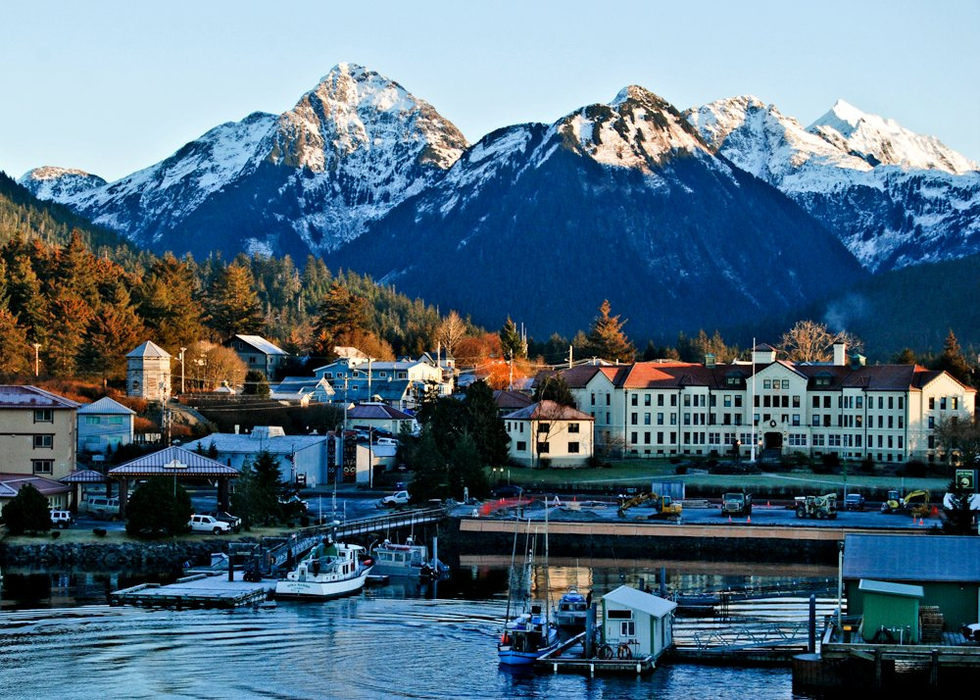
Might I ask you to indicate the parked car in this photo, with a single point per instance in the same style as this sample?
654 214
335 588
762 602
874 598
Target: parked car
508 491
294 503
233 520
101 507
854 501
208 523
62 518
398 498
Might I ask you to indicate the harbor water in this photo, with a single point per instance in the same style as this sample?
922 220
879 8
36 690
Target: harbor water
401 640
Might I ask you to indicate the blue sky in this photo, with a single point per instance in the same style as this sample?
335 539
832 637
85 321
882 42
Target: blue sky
112 87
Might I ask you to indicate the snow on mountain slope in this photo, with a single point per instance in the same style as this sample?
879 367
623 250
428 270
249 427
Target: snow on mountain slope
893 197
304 181
53 183
886 142
622 201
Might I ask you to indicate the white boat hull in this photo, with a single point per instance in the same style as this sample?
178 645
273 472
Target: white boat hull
311 588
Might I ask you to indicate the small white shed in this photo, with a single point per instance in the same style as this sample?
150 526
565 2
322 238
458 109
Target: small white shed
637 621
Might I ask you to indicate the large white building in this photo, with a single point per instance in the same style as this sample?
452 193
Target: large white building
657 409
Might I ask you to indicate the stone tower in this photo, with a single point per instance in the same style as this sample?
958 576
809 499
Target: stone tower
148 372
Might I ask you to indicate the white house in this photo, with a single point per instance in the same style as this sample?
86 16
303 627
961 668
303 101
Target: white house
637 621
547 433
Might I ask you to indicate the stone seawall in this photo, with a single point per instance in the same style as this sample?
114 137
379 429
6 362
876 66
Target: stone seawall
108 555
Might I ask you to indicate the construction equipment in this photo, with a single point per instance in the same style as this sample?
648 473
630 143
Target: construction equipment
663 507
818 507
914 502
736 504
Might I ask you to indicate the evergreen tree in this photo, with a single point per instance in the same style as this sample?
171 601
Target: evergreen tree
256 384
112 333
167 301
430 477
484 425
158 507
341 314
233 304
554 388
953 361
905 357
511 341
14 348
268 488
606 339
467 469
26 512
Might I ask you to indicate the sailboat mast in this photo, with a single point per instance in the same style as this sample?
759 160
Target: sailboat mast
547 577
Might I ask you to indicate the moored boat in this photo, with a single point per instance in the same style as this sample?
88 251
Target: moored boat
570 613
409 559
526 638
332 569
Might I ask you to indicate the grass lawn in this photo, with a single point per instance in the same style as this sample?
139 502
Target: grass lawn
641 473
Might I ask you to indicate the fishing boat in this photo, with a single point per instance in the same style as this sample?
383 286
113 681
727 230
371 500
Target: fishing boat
531 633
570 613
331 569
409 559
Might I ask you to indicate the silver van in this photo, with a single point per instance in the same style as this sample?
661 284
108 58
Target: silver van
101 507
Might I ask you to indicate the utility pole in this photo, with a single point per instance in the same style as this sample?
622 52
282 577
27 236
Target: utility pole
37 346
182 351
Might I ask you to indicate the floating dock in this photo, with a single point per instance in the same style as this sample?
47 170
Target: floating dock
197 591
570 658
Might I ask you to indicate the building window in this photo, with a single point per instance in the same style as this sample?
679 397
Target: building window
593 398
43 441
573 427
92 420
608 399
646 419
954 403
785 384
634 419
660 399
521 446
942 404
543 448
544 427
634 400
43 415
646 399
767 384
573 448
42 466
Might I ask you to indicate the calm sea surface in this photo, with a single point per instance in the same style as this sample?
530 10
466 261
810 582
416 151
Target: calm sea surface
394 641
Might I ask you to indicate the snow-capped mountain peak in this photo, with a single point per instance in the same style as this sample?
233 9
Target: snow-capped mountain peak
52 182
886 142
638 129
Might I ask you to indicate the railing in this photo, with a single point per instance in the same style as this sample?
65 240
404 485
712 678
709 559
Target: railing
305 539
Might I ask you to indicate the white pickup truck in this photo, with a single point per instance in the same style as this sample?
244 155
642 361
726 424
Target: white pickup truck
208 523
398 498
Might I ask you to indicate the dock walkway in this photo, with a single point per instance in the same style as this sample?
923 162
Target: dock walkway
197 591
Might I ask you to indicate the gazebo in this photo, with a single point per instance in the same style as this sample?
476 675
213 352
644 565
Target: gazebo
84 476
175 462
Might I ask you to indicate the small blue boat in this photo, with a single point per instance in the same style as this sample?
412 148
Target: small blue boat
526 638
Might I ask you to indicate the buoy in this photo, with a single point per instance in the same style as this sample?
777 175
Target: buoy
768 504
749 520
729 518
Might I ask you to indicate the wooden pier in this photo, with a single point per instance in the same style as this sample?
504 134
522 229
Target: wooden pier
197 591
567 659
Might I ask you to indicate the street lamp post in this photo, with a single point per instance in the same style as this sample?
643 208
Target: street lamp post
37 346
181 358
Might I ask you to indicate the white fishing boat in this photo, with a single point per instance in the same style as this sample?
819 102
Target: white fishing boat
332 569
410 559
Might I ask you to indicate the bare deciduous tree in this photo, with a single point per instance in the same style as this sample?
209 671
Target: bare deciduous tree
451 331
809 341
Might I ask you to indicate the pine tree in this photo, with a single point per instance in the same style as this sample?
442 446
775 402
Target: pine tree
606 339
952 359
340 315
14 348
233 303
554 388
484 425
511 341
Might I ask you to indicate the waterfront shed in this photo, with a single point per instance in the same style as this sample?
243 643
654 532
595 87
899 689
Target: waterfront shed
947 568
891 612
638 621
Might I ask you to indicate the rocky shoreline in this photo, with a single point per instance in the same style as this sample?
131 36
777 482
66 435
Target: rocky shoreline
107 555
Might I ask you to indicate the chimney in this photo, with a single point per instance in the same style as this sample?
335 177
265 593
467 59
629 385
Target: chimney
840 354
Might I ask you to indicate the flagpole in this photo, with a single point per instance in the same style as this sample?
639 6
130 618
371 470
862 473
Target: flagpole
752 406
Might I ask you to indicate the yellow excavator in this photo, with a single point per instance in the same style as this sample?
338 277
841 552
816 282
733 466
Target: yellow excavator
663 506
914 502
